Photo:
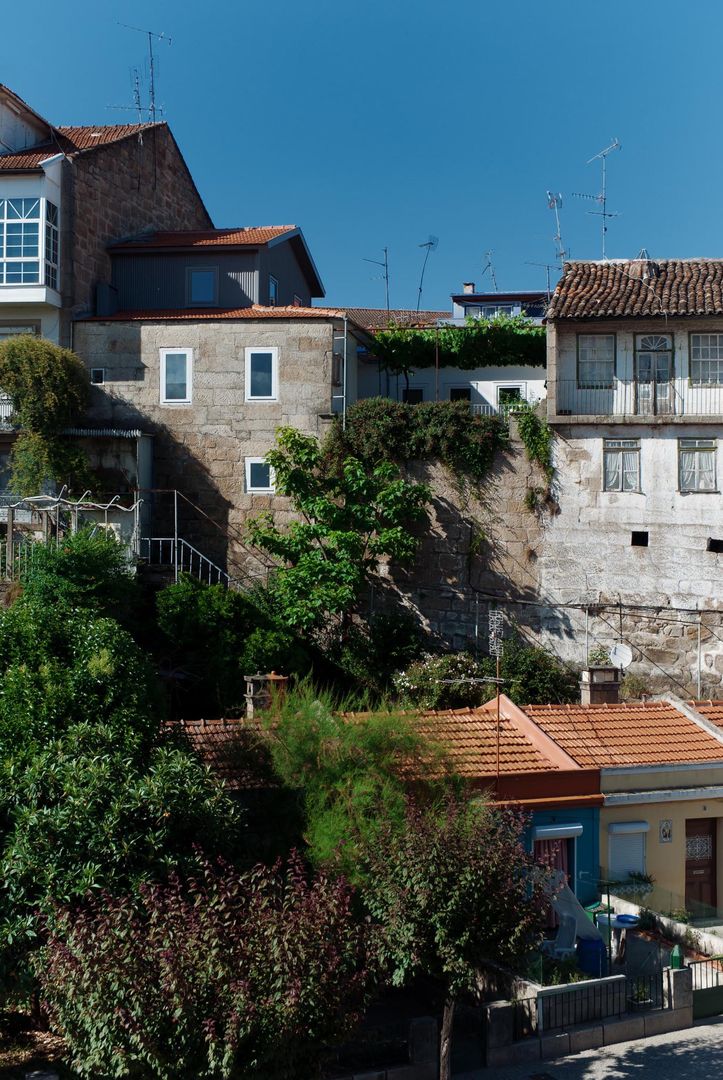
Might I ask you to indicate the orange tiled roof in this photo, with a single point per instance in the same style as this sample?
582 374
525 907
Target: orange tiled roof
710 710
230 748
643 287
639 733
255 311
249 236
469 737
380 318
70 141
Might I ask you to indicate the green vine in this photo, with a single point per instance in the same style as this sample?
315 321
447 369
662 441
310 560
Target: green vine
378 429
536 435
48 387
502 341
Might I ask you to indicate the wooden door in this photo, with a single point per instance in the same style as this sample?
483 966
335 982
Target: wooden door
700 864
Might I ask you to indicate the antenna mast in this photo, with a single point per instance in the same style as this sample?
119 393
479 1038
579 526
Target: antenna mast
604 213
489 266
430 245
554 202
547 267
385 267
150 34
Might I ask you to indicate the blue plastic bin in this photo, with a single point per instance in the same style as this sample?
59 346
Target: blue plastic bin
592 957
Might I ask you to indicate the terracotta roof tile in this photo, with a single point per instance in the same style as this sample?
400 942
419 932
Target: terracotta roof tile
255 311
710 710
642 287
231 750
380 318
70 141
641 733
249 236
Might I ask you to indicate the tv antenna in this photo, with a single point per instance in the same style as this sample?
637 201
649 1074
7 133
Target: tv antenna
150 34
385 266
430 245
603 212
547 267
554 202
490 266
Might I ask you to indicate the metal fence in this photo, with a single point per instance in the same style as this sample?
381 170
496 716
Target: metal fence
706 974
580 1003
635 398
183 558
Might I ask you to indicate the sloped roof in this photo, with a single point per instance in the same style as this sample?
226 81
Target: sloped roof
248 236
254 311
70 141
710 710
628 734
231 749
380 318
638 287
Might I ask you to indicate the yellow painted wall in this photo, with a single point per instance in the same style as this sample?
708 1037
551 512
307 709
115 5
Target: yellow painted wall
666 862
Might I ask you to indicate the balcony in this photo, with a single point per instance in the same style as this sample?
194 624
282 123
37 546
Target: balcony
6 410
652 402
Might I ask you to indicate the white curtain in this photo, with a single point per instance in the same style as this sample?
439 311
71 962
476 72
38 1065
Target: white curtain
697 470
621 470
612 470
631 459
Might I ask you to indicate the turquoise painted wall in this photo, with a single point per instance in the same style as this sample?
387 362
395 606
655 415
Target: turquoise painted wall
587 848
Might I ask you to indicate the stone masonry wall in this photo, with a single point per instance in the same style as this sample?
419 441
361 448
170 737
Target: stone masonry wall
200 448
119 190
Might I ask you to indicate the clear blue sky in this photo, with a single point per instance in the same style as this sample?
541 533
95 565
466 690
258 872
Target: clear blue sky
378 122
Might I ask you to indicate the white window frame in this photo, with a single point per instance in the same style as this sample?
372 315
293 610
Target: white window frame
587 341
619 447
628 828
190 271
248 353
95 371
189 375
248 462
697 447
709 348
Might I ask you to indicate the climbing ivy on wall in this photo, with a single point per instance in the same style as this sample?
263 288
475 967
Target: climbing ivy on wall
536 435
502 341
378 429
48 387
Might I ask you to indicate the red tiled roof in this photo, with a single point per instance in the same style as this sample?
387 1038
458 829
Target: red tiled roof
710 710
255 311
70 141
380 318
231 750
638 287
639 733
249 236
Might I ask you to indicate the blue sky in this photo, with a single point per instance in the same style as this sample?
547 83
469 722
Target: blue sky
380 122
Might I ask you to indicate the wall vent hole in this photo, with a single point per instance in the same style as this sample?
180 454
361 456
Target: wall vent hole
638 539
714 545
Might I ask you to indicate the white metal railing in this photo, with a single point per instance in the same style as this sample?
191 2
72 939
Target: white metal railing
6 408
176 553
636 398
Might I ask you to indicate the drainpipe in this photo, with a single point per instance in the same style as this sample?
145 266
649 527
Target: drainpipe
343 388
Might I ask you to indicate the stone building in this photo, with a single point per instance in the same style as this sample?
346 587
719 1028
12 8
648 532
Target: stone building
66 193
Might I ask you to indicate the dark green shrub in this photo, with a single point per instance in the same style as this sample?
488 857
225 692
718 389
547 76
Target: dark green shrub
442 682
373 650
234 975
533 676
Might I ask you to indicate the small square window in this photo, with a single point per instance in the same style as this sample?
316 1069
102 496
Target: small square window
262 374
259 476
638 538
714 545
273 291
201 285
97 376
176 370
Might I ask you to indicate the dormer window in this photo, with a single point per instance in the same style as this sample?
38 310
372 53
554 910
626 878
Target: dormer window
201 286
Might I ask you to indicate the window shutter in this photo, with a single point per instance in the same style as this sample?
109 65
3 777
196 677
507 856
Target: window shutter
627 854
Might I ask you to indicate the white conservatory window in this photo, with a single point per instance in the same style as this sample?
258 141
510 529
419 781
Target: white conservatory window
29 242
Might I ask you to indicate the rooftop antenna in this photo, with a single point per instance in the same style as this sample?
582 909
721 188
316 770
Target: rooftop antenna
547 267
489 266
150 34
430 245
603 212
385 266
554 202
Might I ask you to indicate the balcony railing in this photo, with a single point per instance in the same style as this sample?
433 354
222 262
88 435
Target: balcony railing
6 409
640 399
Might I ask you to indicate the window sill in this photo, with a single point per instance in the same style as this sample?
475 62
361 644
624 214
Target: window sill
261 400
176 404
694 492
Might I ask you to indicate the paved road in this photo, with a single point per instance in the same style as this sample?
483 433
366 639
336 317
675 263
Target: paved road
695 1054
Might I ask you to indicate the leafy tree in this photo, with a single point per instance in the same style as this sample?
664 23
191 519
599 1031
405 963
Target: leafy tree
534 676
88 569
48 386
373 649
351 518
448 681
450 890
350 769
236 975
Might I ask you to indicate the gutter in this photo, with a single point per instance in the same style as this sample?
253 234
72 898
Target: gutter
633 798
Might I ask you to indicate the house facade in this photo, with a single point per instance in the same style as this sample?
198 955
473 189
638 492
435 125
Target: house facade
66 193
635 396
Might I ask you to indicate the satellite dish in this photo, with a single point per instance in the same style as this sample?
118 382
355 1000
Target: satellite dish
621 655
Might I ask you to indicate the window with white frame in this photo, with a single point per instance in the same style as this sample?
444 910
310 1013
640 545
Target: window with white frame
176 375
51 245
706 359
13 329
29 244
201 285
97 376
621 464
697 464
595 361
262 374
626 848
273 291
259 476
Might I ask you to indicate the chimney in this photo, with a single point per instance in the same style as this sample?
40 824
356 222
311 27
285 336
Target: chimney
263 690
600 685
468 287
